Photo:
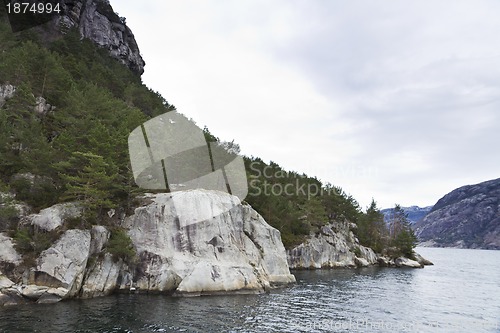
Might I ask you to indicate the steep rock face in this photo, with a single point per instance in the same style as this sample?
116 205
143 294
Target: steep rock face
468 217
201 242
101 277
96 20
187 243
333 247
63 265
8 254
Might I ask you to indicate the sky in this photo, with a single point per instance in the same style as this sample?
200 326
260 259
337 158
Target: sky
393 100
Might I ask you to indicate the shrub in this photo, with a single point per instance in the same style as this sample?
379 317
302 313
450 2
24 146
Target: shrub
31 243
9 216
357 251
120 246
38 192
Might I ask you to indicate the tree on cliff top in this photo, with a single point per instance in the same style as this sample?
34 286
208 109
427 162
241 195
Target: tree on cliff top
372 230
401 233
89 180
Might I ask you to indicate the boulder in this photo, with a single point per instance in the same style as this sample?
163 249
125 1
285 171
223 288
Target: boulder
368 254
101 278
53 217
361 262
10 297
421 260
5 282
8 253
33 292
100 236
405 262
63 264
198 242
385 262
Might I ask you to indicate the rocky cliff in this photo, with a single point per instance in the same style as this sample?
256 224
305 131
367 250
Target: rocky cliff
188 243
468 217
333 247
97 21
336 246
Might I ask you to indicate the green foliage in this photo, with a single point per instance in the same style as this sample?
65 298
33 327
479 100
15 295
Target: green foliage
80 149
372 230
293 203
402 236
88 180
357 251
31 243
120 246
23 239
98 103
406 241
38 193
9 217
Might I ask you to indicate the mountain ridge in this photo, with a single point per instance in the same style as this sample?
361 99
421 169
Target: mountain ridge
467 217
415 213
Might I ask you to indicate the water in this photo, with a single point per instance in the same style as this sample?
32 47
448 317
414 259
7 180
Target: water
461 293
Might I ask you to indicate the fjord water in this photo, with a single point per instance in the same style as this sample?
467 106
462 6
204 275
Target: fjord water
461 293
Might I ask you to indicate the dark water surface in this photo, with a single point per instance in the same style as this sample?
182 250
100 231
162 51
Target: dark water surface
461 293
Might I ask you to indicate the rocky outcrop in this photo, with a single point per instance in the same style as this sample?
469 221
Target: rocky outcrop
53 217
94 20
194 242
333 247
187 243
468 217
58 272
63 265
6 91
336 246
101 278
8 254
97 21
42 107
203 242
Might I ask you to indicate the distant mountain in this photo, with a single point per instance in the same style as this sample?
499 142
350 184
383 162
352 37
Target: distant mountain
468 217
415 213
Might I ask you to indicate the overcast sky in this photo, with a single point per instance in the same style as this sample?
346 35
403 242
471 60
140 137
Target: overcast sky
395 100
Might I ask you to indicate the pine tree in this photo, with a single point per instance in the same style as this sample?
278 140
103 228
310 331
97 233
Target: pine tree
89 180
372 230
402 235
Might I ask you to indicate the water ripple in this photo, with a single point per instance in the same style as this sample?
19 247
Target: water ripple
458 294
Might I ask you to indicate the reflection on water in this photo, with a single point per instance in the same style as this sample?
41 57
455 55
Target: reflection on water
459 294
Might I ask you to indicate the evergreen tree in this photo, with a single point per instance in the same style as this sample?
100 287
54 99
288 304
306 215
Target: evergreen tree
372 230
401 232
89 180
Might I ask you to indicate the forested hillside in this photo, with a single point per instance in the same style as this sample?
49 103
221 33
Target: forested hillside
63 137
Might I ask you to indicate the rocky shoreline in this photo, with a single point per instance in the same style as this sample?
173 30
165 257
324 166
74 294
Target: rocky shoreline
336 246
189 243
